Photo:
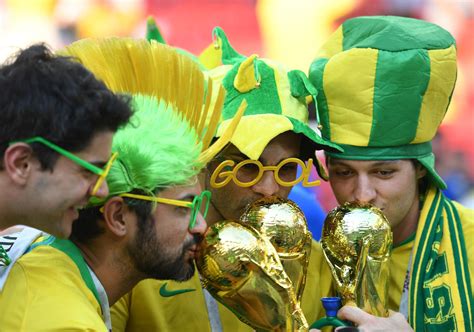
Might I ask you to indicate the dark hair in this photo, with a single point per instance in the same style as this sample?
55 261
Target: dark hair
89 226
57 98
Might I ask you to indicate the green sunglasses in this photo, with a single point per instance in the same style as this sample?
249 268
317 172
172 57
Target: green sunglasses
195 205
101 172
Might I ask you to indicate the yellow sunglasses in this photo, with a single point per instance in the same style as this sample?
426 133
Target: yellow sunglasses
195 205
249 172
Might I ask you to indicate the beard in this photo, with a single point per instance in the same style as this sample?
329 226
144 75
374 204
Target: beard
156 261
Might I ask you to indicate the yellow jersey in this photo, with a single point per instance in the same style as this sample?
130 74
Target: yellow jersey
144 309
46 292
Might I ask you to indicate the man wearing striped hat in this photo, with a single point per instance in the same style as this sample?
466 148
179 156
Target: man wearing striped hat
384 86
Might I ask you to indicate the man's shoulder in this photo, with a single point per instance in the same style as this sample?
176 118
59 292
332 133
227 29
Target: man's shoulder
316 245
49 271
46 262
465 214
45 290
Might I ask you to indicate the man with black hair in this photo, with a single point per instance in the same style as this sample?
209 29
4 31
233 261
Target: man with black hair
150 222
56 126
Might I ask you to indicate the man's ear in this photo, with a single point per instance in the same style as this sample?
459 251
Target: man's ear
18 162
420 170
117 216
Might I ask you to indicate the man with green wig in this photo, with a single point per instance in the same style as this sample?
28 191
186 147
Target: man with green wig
151 222
384 86
273 134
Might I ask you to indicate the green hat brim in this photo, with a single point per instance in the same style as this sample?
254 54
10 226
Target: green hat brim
429 163
421 152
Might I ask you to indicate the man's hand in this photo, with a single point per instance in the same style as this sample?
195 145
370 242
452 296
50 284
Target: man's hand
368 322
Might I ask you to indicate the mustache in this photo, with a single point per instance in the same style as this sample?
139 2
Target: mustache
195 240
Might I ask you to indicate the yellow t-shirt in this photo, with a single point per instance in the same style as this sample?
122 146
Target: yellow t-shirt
45 292
144 309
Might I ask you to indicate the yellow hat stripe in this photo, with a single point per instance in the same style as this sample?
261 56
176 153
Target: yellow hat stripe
268 127
333 45
357 91
438 93
290 106
211 57
282 86
245 79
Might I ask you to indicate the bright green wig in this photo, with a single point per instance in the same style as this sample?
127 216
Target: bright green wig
156 149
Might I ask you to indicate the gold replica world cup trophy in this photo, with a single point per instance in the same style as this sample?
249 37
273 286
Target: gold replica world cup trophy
283 223
257 266
357 243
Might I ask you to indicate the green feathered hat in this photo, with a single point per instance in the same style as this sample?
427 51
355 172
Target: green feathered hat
384 86
277 99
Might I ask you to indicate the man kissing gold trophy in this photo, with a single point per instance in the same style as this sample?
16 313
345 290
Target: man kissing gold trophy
257 265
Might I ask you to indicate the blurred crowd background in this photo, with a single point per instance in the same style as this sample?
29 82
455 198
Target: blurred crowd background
290 31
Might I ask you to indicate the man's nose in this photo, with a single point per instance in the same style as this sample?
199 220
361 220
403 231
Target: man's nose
267 186
364 191
200 226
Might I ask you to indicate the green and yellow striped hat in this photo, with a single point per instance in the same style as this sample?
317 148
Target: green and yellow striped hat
384 86
276 101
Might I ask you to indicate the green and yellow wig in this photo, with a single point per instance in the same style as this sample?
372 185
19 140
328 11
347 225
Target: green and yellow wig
168 139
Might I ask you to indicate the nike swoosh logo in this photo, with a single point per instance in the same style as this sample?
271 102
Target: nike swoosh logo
169 293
